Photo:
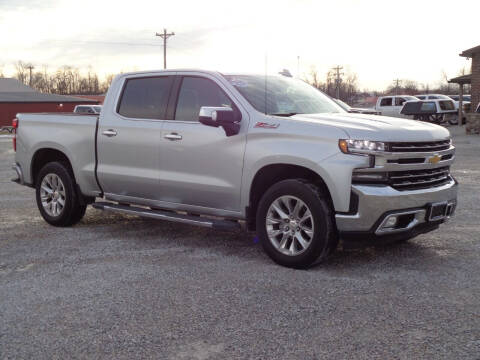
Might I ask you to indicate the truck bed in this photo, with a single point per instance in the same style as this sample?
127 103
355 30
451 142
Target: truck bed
72 134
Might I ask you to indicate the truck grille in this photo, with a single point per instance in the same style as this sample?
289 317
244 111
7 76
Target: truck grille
419 179
419 146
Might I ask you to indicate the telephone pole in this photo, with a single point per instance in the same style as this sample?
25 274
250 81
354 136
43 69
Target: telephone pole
165 36
338 80
397 83
30 67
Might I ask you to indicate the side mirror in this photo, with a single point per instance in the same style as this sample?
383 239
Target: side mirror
220 116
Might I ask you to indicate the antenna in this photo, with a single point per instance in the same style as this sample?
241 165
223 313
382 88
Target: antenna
266 65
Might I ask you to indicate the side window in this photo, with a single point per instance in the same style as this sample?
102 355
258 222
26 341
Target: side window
433 97
196 92
399 101
386 102
145 98
421 97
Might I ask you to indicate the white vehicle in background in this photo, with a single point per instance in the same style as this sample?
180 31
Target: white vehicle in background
87 109
392 105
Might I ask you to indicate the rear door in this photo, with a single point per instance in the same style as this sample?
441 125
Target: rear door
200 165
129 137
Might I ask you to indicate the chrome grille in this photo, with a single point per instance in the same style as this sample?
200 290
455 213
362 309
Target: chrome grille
419 146
419 179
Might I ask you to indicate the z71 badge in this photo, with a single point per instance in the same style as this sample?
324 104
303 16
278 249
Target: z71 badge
265 125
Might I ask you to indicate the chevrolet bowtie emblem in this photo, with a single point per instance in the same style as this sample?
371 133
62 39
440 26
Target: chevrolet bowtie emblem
434 159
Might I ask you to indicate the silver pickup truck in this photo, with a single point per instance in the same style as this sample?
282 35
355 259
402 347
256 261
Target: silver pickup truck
269 153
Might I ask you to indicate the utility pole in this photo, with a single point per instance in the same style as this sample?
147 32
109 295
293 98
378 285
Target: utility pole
397 83
338 80
165 36
298 67
30 67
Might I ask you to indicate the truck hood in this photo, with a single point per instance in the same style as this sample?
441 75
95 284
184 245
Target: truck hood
378 128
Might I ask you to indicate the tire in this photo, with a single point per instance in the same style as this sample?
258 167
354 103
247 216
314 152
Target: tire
318 232
453 121
56 184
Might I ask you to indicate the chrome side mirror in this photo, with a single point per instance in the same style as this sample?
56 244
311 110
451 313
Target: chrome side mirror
220 116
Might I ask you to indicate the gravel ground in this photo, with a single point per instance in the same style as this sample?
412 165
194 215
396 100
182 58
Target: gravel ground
123 287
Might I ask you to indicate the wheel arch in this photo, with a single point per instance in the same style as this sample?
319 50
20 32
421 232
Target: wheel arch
43 156
271 174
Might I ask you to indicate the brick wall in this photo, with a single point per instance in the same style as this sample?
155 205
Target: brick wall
475 81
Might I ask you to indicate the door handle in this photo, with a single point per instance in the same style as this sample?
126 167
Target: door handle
173 137
109 133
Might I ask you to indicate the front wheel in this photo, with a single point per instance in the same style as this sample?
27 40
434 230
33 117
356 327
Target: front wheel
57 200
295 224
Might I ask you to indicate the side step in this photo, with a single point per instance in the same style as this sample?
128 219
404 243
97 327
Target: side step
170 216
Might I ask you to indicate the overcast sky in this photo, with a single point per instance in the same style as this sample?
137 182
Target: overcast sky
378 40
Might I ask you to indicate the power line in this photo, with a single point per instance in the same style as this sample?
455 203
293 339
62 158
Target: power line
165 36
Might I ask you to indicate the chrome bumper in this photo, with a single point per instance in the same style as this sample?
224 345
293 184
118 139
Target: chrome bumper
377 203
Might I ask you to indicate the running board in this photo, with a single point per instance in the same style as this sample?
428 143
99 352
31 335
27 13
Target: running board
170 216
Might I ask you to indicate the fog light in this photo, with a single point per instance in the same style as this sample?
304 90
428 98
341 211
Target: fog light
391 222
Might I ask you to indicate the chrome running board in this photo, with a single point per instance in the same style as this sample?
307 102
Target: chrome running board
167 215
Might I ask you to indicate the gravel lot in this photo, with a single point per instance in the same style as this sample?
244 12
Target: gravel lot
123 287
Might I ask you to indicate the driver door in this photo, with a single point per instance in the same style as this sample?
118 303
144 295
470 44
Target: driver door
200 165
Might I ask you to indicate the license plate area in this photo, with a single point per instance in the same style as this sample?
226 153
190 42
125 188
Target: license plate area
438 211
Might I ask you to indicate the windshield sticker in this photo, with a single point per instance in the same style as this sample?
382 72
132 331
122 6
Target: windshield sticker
238 83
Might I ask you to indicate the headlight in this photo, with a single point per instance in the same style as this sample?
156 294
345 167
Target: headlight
351 146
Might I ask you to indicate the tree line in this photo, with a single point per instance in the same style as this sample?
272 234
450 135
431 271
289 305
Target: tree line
65 80
350 92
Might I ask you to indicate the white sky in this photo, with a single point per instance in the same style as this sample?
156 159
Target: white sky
378 40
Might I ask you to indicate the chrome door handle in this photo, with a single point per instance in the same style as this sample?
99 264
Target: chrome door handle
173 137
109 133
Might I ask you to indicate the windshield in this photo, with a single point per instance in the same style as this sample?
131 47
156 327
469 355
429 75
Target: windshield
342 104
278 95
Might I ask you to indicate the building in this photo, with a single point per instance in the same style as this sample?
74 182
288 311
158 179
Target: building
16 97
473 119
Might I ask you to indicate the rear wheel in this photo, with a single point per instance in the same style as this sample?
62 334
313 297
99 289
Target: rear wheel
57 198
295 224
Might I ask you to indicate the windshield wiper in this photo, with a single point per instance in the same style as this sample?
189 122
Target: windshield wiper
284 114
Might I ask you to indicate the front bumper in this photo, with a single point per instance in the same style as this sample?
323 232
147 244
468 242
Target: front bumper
377 202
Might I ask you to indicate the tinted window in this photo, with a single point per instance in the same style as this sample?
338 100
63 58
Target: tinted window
399 101
428 107
145 98
420 97
386 102
195 93
433 97
447 105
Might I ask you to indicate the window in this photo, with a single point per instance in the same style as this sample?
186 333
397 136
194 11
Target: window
196 92
421 97
432 97
446 105
281 95
399 101
145 98
386 102
428 107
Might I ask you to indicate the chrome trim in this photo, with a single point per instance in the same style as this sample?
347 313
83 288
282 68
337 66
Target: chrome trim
173 136
154 215
419 218
376 200
109 133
